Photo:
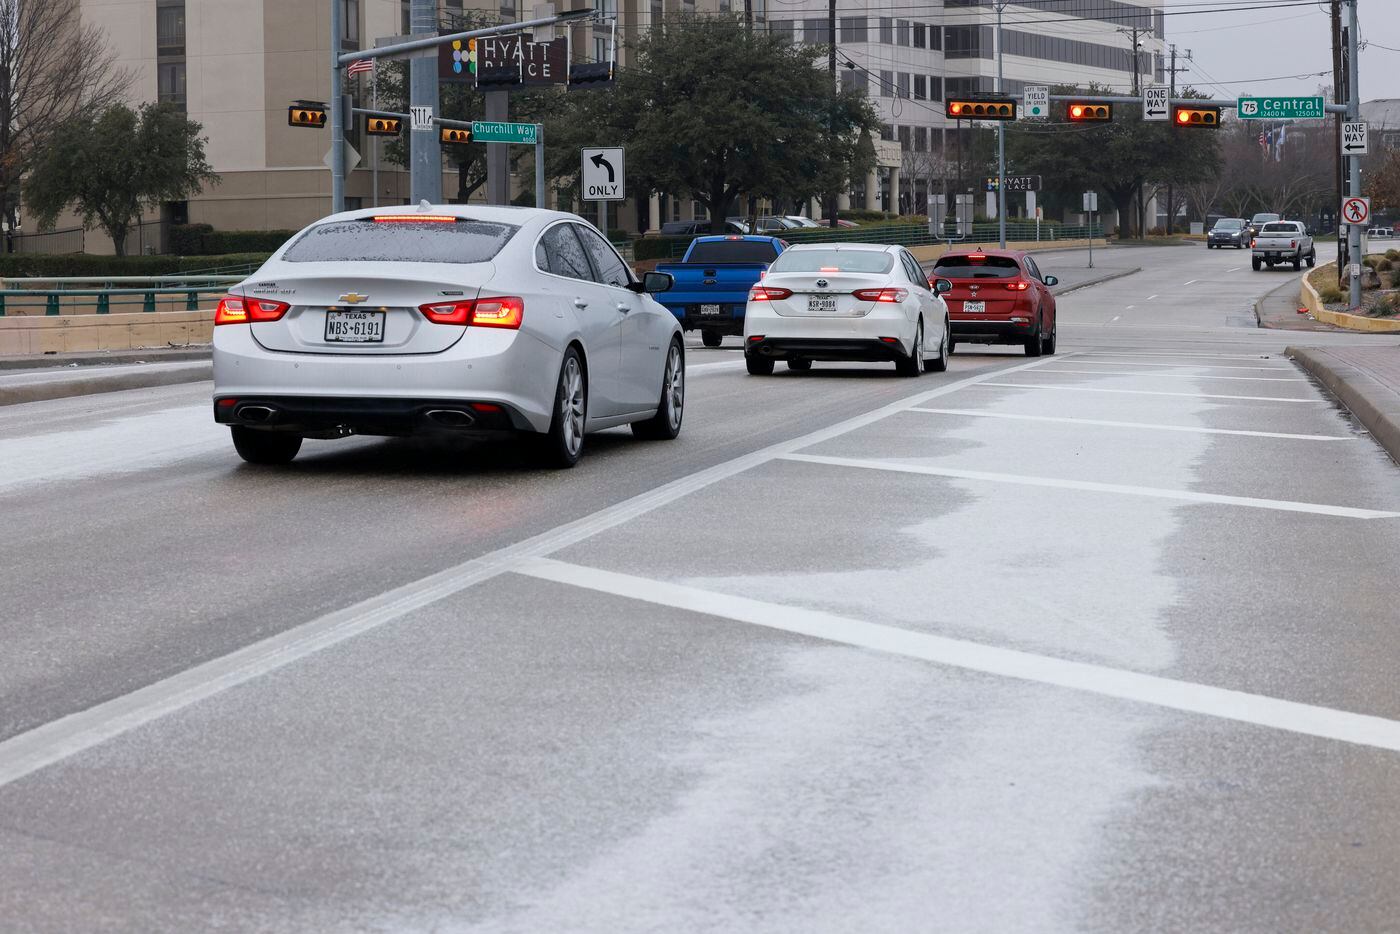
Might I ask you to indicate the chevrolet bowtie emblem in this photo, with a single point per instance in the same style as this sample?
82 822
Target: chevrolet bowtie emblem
353 298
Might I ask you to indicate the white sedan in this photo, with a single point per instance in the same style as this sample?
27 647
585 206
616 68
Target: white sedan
846 302
460 319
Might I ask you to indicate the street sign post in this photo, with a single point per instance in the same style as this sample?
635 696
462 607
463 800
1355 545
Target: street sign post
1356 211
1156 103
1037 105
488 131
1354 139
1281 108
1091 204
603 178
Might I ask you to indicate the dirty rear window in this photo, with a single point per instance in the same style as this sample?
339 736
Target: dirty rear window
968 267
718 252
1284 228
461 240
874 261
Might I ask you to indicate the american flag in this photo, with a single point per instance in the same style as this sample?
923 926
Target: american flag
359 66
1263 140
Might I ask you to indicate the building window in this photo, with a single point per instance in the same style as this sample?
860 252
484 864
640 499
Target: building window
815 32
920 88
906 141
350 22
852 80
170 77
921 139
886 131
886 30
919 40
904 85
886 84
901 34
935 88
967 42
170 29
782 28
855 29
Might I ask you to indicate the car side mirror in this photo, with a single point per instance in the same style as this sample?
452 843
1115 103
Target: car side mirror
1052 280
654 282
941 285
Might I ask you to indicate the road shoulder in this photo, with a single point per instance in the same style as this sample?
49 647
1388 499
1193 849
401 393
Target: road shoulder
1366 380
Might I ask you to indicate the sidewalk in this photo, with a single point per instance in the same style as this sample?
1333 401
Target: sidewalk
1279 310
1366 380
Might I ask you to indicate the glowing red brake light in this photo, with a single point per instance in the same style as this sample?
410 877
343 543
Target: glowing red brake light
238 309
764 293
501 312
414 218
1018 285
881 295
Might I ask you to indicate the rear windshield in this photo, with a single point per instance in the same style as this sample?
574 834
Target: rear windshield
1265 218
369 241
1279 228
833 261
718 252
965 267
1229 223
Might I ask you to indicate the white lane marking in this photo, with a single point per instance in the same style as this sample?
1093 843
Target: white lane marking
1234 269
1115 318
1190 496
1173 694
1150 297
723 365
1180 353
1152 426
1183 366
1150 392
1259 379
1192 282
57 740
1130 308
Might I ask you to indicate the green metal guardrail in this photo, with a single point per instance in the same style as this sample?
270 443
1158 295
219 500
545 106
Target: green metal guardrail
113 292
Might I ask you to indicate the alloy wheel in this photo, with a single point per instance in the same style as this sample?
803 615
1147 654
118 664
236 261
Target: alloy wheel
675 386
573 406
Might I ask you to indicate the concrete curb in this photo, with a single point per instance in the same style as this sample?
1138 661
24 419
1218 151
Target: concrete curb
106 382
105 358
1375 405
1120 274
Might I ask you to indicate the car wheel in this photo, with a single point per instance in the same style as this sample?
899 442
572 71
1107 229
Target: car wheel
758 366
1239 246
1298 262
913 364
799 364
1033 344
260 446
1255 263
711 338
666 423
562 445
1312 259
940 363
1210 246
1047 344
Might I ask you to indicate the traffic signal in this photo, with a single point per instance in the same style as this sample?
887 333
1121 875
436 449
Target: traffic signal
590 75
383 126
989 108
1196 116
307 113
1085 112
454 136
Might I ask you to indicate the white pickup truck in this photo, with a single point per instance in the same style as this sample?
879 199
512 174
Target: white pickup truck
1283 242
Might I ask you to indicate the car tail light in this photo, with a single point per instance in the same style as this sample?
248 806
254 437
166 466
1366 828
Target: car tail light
238 309
496 312
881 295
414 218
1018 285
767 293
1292 244
1253 243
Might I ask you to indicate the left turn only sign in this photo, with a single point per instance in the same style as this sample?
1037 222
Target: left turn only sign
603 174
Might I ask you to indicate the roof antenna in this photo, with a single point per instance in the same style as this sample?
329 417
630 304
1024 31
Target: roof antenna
425 205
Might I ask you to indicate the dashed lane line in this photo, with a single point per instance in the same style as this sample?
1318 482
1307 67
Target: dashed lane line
1170 693
1259 379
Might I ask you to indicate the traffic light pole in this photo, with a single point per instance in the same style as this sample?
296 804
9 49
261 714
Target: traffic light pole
425 155
1001 145
1354 161
337 116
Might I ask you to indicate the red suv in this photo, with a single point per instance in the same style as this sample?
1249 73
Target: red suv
998 297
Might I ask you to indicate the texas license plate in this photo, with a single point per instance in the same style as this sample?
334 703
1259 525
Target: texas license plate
711 309
974 308
354 327
821 304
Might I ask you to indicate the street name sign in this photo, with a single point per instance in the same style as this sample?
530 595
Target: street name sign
1281 108
1037 102
1156 104
603 174
1356 211
1354 141
484 131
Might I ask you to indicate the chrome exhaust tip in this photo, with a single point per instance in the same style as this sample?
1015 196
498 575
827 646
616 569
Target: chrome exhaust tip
451 418
254 413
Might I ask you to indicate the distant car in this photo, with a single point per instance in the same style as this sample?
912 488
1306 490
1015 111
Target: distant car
712 282
801 221
1283 242
696 228
1228 231
1257 222
773 224
846 302
999 297
841 222
1380 233
455 319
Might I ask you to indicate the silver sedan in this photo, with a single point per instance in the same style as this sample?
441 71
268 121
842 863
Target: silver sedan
461 319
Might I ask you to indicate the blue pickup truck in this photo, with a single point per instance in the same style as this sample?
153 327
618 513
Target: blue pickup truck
712 283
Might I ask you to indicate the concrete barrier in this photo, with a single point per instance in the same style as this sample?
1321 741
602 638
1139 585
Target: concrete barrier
38 334
1313 303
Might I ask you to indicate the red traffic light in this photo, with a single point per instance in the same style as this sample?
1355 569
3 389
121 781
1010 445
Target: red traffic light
1196 116
1087 112
999 108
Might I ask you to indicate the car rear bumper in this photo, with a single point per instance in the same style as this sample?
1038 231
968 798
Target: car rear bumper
335 415
512 369
826 348
983 331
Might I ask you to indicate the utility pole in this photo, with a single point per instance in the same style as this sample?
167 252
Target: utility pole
1339 96
1001 143
1171 94
1354 167
337 115
1134 32
425 155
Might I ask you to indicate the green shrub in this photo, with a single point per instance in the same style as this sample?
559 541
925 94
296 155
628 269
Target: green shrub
1370 261
1384 265
203 240
1392 255
35 265
1331 295
185 238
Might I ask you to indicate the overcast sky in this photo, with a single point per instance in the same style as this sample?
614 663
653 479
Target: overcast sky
1238 49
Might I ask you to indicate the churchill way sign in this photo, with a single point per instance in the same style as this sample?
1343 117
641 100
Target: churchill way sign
1281 108
486 131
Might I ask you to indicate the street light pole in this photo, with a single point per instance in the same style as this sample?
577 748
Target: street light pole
1001 144
1354 161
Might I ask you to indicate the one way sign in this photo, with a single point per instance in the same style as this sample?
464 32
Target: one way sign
602 174
1353 139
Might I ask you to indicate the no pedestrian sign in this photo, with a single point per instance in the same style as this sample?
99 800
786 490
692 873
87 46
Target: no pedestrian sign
602 174
1356 211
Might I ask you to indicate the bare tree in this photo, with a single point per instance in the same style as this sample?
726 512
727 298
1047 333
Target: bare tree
53 67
